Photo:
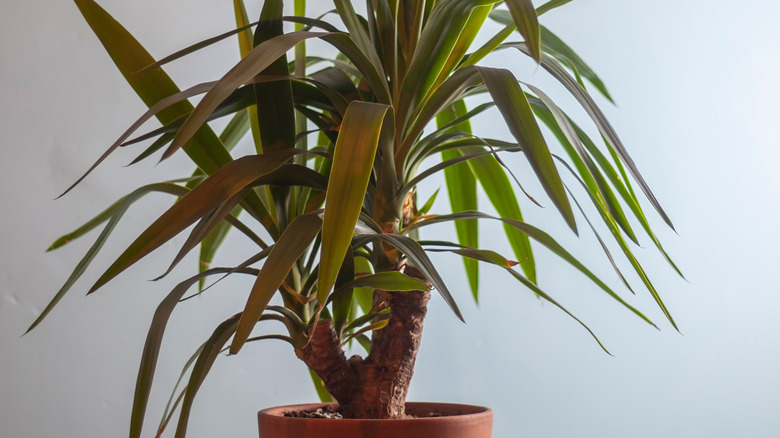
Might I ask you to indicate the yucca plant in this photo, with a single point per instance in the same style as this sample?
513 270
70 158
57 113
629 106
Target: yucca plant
337 221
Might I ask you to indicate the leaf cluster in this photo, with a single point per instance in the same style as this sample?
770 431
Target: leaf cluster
329 198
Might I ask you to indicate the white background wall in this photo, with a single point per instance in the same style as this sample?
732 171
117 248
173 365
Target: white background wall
696 86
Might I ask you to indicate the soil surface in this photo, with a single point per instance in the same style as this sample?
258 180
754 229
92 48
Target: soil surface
333 413
327 412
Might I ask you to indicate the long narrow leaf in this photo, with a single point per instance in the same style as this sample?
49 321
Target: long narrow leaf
287 250
462 190
556 70
219 187
116 213
352 163
514 106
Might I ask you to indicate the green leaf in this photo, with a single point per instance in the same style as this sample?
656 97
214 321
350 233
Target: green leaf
172 404
352 163
524 16
512 103
363 295
230 136
498 188
390 281
557 70
260 58
276 116
426 207
206 224
287 250
206 359
529 284
151 349
358 33
223 184
541 237
377 325
115 213
602 194
437 41
462 191
482 255
550 5
153 85
420 260
341 304
319 386
557 48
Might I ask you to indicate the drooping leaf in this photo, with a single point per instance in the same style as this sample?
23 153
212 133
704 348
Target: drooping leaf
604 197
223 184
547 297
514 106
115 213
153 85
420 260
546 240
494 181
556 47
151 349
206 359
557 70
390 281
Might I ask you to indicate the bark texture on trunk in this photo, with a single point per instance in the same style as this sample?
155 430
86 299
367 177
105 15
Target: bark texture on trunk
374 387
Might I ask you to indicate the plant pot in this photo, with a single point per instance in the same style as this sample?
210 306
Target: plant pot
434 420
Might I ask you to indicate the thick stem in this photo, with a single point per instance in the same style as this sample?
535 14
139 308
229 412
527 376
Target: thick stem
323 354
374 387
384 376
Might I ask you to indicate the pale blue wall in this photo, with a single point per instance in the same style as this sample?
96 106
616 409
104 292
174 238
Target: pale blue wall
696 86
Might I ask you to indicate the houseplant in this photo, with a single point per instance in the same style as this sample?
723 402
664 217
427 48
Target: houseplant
358 266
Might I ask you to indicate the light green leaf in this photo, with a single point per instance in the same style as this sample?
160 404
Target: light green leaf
390 281
462 191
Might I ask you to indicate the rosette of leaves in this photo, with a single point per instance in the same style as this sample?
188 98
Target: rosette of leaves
329 198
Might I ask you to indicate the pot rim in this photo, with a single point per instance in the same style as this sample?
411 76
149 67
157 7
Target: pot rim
454 411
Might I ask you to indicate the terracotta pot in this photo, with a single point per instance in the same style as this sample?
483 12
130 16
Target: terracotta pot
452 421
